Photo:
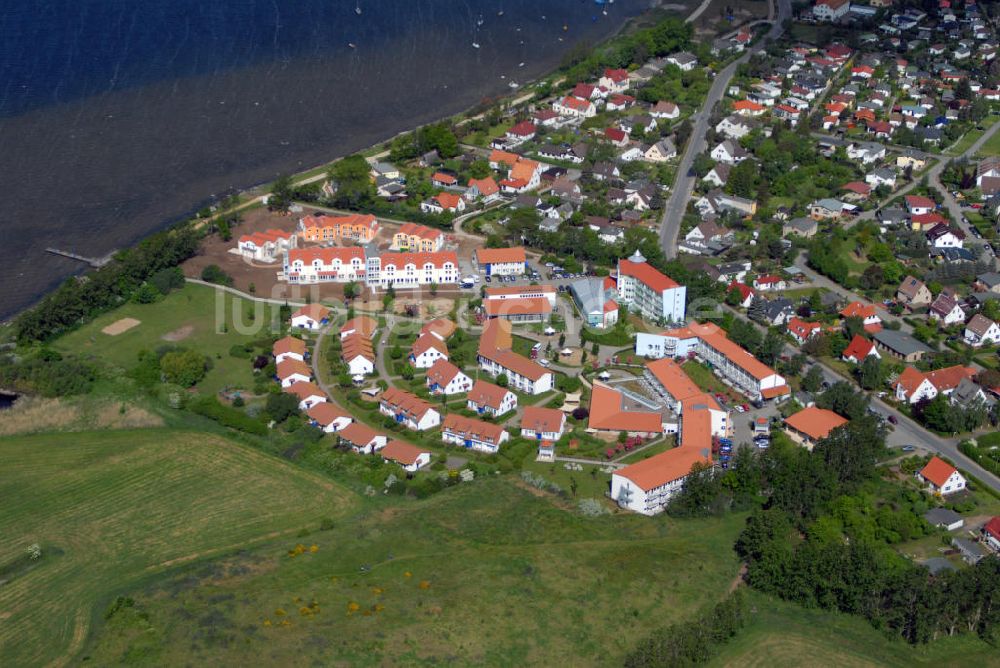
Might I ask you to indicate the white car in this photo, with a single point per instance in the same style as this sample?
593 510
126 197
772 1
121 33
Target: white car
544 362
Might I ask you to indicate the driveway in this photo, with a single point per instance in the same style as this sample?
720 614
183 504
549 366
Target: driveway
684 181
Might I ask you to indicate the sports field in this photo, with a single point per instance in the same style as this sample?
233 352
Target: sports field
111 510
487 573
203 319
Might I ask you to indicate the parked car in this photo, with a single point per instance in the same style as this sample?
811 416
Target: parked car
746 407
908 448
893 420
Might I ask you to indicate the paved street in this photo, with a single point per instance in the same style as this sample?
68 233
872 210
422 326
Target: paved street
684 181
906 431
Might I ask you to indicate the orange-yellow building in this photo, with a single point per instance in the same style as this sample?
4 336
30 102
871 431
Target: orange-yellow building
417 238
356 227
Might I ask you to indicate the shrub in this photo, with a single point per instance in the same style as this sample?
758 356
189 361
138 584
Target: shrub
593 508
166 280
183 367
226 416
214 274
280 407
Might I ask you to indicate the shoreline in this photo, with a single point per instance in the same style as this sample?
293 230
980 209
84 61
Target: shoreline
258 190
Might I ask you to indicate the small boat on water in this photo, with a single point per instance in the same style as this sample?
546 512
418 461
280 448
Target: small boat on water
352 45
475 45
513 84
357 8
480 20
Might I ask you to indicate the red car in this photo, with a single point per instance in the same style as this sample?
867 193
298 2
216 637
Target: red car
746 407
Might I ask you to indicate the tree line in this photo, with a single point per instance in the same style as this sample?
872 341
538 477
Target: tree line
79 299
822 526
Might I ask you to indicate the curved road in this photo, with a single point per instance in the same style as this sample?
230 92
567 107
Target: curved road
684 182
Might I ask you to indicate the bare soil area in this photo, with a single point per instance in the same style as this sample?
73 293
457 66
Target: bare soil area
121 326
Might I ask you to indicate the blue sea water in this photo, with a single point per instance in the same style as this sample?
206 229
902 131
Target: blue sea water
118 116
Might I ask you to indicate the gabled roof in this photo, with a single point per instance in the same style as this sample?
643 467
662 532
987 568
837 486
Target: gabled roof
305 389
317 312
993 527
487 394
426 342
943 380
501 255
919 201
540 419
816 423
361 324
802 329
289 344
937 471
326 412
858 349
518 306
289 367
673 379
637 267
486 186
442 372
478 429
857 309
606 413
522 129
439 327
359 434
401 452
979 324
406 402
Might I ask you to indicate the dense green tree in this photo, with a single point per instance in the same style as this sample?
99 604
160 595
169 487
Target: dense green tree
871 373
843 399
183 367
280 197
353 181
280 406
813 379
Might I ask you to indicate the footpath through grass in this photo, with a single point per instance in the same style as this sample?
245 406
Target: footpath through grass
110 509
488 573
784 634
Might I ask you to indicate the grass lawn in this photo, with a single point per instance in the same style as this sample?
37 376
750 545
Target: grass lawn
112 509
798 293
784 634
662 446
491 573
704 378
522 345
591 482
967 140
991 147
192 317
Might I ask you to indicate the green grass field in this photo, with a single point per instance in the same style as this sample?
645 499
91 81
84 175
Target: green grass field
783 634
491 573
991 147
705 379
191 317
112 509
